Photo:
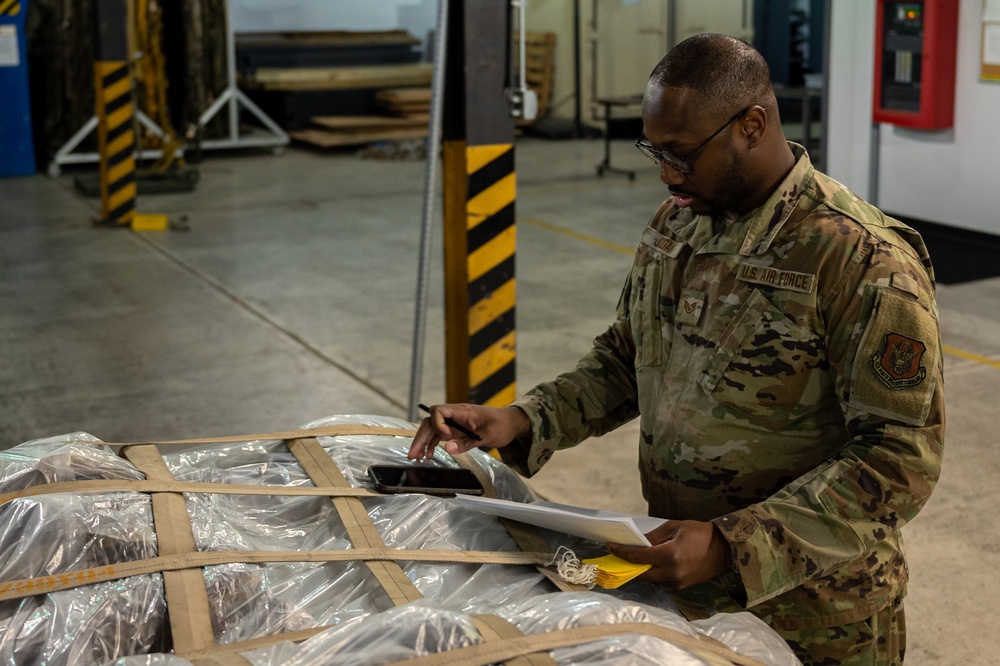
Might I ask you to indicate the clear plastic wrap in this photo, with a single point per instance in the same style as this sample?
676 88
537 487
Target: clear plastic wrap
122 621
49 534
73 457
423 628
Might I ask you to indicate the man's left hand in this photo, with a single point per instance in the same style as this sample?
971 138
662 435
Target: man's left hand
684 553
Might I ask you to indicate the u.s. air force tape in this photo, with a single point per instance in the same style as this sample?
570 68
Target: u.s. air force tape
772 277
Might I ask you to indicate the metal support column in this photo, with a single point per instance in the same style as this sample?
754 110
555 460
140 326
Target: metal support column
479 195
427 221
115 115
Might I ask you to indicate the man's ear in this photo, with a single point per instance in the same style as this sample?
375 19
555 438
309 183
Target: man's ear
754 126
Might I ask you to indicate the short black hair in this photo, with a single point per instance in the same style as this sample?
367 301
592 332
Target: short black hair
726 72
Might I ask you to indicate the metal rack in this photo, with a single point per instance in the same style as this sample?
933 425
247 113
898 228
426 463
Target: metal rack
232 97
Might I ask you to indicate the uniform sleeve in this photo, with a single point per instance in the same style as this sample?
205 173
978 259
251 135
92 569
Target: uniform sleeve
884 352
597 396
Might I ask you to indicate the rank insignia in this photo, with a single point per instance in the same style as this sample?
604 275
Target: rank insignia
897 364
690 308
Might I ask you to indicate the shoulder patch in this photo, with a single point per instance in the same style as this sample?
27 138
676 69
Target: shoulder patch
896 364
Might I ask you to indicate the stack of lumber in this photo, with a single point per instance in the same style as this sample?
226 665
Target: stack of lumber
411 103
339 131
338 78
405 114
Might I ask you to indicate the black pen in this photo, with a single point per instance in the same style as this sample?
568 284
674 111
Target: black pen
452 423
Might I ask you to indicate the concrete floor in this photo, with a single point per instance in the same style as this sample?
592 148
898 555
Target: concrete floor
291 297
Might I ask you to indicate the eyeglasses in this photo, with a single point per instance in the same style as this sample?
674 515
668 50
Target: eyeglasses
681 163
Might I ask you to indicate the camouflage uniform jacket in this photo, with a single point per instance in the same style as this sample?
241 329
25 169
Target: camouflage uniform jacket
787 373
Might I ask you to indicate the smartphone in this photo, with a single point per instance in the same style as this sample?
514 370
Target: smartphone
431 480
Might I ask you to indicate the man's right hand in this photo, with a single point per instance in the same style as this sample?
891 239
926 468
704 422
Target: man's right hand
496 426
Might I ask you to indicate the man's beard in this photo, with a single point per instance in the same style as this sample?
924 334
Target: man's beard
731 189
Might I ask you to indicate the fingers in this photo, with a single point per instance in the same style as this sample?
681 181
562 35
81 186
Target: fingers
684 553
456 427
434 430
424 442
645 554
633 554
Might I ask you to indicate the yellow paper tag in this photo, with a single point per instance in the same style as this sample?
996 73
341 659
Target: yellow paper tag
613 571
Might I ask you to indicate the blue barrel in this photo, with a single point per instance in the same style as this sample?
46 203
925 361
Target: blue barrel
17 151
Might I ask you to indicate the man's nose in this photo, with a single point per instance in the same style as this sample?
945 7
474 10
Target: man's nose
670 175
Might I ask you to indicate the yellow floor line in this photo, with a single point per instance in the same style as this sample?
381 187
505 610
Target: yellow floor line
577 235
948 349
969 356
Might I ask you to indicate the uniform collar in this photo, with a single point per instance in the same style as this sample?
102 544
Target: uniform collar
752 234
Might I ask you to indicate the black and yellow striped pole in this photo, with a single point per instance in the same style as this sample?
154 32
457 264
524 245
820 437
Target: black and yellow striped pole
479 196
115 115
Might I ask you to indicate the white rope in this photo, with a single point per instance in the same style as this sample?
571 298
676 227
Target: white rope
571 570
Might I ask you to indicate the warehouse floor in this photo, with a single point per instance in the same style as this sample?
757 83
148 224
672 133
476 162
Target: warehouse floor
290 296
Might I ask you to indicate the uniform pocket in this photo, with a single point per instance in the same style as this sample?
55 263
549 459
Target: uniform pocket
645 314
764 368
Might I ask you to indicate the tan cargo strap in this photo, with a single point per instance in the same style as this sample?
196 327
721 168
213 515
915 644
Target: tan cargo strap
357 523
206 656
322 431
503 646
222 659
154 486
187 598
490 652
18 589
496 628
491 628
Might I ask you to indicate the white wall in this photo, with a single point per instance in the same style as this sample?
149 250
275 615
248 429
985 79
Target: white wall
417 16
950 177
628 38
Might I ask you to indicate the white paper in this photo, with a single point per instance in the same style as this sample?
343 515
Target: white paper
604 526
643 523
991 44
10 54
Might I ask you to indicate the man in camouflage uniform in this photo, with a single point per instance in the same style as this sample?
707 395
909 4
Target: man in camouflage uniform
778 339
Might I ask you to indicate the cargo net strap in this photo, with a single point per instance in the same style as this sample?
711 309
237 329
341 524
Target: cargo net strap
157 486
507 649
190 614
181 563
286 435
26 587
495 628
504 643
358 524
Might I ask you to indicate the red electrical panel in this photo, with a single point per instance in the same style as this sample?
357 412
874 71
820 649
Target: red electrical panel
915 53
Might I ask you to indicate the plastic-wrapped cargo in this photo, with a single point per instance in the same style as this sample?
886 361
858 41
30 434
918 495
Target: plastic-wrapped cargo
273 549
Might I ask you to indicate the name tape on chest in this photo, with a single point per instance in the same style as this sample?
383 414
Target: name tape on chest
804 282
664 244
